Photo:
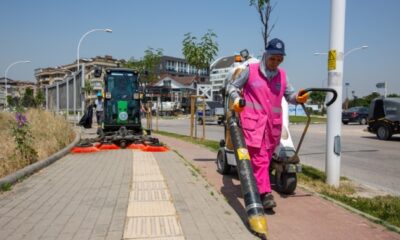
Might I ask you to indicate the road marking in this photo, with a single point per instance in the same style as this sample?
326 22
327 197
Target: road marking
151 213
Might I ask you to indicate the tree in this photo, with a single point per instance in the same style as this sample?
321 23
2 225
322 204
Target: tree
151 59
393 95
264 9
28 100
87 90
318 98
39 98
200 54
371 97
364 101
148 64
12 101
358 102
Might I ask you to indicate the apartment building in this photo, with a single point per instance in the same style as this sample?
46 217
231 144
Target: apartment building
219 70
179 67
51 75
15 89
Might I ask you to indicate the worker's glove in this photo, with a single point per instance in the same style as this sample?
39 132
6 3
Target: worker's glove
302 96
238 104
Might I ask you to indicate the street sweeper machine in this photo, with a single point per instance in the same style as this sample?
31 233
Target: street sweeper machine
121 121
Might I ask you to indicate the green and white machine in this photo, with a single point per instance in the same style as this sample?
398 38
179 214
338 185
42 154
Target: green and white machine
122 100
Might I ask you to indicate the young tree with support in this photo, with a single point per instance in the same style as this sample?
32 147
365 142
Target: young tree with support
200 54
264 9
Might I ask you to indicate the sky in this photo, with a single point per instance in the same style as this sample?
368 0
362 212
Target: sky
47 33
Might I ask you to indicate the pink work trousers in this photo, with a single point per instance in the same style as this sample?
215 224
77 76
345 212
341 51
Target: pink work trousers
260 160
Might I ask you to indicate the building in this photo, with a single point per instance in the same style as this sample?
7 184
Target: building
178 67
51 75
177 81
16 89
219 70
173 73
173 89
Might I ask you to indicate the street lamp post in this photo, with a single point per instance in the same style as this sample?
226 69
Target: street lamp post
5 78
355 49
347 53
335 78
77 60
344 56
335 64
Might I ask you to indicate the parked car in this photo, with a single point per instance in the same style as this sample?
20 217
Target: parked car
384 117
355 114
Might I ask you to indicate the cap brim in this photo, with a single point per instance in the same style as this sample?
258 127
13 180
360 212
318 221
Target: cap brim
276 52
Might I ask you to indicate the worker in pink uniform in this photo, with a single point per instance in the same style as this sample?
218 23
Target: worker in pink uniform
263 85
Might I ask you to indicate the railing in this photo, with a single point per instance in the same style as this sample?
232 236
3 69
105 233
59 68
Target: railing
59 97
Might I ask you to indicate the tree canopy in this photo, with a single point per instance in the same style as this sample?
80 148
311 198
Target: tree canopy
200 53
148 64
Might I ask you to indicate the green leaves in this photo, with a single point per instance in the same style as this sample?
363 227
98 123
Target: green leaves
149 63
318 97
259 3
200 53
39 98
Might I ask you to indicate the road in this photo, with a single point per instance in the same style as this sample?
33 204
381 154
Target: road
364 159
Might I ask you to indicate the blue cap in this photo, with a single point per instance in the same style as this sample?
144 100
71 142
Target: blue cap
276 47
99 94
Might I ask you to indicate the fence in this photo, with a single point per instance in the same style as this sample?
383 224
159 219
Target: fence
65 96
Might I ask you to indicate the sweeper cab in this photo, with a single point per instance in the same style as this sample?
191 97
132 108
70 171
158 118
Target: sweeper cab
122 104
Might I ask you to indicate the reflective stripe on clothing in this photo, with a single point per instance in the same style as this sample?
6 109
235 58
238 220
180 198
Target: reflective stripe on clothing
254 105
277 109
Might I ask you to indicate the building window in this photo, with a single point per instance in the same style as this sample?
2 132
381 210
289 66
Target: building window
170 66
167 83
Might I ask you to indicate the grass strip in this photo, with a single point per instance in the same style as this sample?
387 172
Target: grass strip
210 144
303 119
384 208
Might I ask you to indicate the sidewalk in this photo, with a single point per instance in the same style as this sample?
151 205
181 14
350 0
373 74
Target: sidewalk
300 216
125 194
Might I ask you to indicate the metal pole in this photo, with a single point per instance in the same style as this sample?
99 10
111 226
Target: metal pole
47 98
77 53
74 97
58 97
83 89
192 99
335 78
347 95
158 100
67 92
204 118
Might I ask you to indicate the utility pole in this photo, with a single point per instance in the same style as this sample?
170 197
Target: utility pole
335 79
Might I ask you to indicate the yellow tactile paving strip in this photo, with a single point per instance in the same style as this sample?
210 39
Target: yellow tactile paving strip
151 213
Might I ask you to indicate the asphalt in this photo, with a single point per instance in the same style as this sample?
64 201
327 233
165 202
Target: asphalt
130 194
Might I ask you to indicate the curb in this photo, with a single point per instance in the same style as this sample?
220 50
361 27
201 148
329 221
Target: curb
28 170
354 210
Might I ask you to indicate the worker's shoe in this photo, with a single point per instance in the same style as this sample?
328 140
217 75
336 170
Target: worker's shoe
268 201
